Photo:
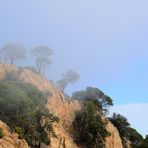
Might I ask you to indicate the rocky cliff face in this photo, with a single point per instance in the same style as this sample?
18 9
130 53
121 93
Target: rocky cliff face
63 108
58 105
114 141
11 140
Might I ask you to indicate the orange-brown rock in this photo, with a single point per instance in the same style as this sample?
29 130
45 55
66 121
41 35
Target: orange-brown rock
63 108
114 141
11 140
58 105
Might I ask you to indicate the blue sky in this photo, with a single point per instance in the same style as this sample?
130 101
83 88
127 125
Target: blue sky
106 42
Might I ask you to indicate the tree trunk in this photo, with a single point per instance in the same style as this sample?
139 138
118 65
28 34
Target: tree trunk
5 60
11 60
39 145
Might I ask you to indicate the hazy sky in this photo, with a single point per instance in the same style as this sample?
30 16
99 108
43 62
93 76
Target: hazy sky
106 42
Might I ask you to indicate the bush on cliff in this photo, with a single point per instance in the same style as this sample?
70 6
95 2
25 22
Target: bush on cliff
22 107
90 128
1 133
126 132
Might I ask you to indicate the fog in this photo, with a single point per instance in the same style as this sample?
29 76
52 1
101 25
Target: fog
105 42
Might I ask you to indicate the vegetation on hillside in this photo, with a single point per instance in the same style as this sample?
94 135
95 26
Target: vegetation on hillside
144 143
89 123
69 77
22 108
90 127
22 105
43 58
12 52
103 101
1 133
125 130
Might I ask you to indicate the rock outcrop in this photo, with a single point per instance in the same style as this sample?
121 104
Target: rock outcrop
11 140
114 141
63 108
58 105
66 109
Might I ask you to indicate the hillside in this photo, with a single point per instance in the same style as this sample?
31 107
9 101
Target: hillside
11 140
63 108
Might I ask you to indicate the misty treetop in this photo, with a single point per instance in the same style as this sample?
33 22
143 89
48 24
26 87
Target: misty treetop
43 57
11 52
22 105
92 93
69 77
42 54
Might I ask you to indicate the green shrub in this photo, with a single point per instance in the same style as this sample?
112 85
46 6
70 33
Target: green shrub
19 131
144 143
1 133
125 131
91 130
134 137
22 108
121 123
103 101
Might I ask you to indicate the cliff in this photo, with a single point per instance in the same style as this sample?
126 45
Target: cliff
63 108
11 140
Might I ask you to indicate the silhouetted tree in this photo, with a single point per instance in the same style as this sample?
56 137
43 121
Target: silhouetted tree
144 143
43 57
126 132
89 126
44 127
134 137
69 77
94 94
12 52
121 123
